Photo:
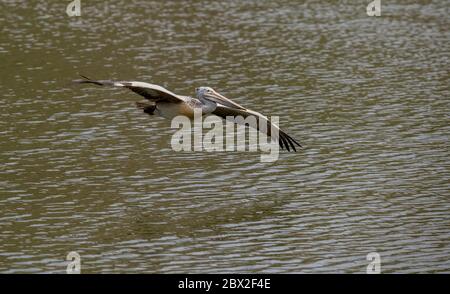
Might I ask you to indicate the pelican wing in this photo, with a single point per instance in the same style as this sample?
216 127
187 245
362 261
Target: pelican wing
148 91
284 139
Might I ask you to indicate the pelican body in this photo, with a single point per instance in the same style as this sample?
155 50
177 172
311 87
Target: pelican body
163 102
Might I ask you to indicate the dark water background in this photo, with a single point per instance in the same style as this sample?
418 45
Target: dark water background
82 170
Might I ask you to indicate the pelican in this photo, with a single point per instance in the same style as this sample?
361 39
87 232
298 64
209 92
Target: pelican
169 105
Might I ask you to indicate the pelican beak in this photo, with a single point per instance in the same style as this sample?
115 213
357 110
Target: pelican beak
216 97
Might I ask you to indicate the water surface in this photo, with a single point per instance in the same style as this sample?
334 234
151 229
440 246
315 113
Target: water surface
83 170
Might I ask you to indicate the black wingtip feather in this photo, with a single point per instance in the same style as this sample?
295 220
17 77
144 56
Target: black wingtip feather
289 139
87 80
85 77
288 142
280 143
284 142
293 140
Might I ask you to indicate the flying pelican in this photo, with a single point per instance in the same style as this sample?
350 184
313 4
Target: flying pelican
168 105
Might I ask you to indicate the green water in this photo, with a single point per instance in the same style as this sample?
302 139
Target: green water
83 170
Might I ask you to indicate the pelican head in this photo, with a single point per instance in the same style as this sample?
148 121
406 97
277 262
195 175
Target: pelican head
209 94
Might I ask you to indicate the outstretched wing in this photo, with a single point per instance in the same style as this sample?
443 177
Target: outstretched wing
148 91
284 139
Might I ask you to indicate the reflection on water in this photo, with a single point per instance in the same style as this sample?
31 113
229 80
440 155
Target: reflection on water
83 170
